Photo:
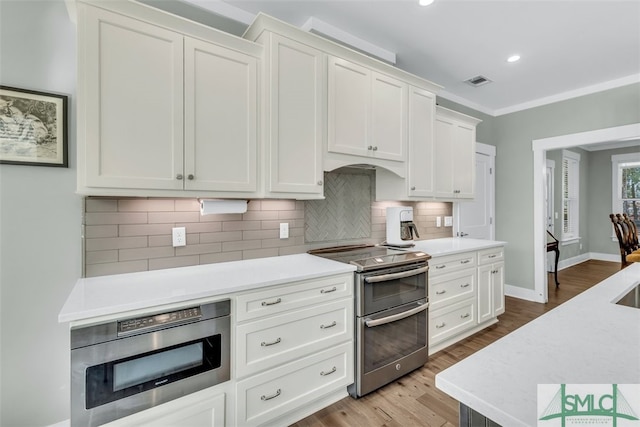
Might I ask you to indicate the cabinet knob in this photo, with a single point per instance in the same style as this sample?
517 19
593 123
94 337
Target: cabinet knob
375 148
370 147
179 176
319 182
190 176
413 187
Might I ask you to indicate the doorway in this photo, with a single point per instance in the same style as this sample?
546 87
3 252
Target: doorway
540 148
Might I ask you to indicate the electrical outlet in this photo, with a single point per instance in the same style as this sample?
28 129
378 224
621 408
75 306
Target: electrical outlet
438 221
448 221
284 230
179 236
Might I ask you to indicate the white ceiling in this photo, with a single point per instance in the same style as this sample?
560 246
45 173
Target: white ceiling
568 48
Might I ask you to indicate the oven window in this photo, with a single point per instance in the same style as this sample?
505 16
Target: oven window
143 369
393 288
387 343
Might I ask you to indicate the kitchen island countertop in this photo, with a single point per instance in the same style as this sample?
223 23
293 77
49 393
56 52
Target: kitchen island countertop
587 340
454 245
108 295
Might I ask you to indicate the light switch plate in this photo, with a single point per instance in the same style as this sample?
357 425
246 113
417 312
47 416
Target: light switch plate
448 221
284 230
179 236
438 221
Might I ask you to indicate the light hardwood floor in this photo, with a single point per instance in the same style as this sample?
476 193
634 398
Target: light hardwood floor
414 400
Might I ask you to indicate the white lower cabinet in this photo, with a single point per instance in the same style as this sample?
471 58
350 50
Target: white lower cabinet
466 294
202 409
265 397
294 349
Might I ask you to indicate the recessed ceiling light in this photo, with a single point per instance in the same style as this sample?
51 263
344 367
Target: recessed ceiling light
425 2
513 58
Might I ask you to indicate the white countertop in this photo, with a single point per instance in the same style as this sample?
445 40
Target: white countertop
454 245
587 340
108 295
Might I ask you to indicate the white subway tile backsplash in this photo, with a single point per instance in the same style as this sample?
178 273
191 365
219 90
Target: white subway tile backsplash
125 235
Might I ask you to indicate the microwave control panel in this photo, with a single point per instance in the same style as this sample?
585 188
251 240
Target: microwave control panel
158 320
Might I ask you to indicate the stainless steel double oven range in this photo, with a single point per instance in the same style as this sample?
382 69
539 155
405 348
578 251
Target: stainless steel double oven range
391 312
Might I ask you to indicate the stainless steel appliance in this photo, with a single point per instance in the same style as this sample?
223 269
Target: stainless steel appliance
391 306
400 226
125 366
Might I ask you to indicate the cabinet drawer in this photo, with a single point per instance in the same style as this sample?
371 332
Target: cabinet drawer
488 256
447 264
276 300
452 320
264 397
449 288
266 343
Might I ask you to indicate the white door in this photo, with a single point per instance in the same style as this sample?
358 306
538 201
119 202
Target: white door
389 117
475 217
548 201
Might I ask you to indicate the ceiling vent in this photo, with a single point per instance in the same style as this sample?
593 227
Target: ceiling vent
478 81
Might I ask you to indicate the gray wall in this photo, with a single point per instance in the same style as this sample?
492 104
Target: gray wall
40 219
513 134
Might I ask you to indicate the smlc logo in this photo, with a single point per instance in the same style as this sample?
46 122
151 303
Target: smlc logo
588 404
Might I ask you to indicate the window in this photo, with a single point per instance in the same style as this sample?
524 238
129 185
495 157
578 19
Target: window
570 196
626 185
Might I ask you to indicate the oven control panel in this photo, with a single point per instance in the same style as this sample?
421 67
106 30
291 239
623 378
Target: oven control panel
158 320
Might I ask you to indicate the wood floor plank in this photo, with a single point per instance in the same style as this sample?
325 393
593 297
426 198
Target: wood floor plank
414 400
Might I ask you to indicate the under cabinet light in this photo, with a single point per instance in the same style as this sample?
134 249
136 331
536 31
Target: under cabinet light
425 2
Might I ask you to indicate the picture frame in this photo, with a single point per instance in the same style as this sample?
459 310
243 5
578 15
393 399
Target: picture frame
33 128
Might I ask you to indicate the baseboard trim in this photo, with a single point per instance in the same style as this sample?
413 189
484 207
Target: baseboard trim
604 257
570 262
521 293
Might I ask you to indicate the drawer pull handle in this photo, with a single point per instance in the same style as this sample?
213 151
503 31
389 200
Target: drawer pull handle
334 323
464 316
465 261
441 325
441 292
466 285
325 291
273 396
493 256
324 374
267 344
266 303
439 267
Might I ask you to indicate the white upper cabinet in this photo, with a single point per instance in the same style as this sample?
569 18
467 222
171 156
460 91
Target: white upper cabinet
419 181
389 117
349 99
220 118
367 112
162 113
420 174
131 100
295 120
455 147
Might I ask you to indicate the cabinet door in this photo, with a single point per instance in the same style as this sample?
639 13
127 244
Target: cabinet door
220 118
133 90
388 117
445 133
349 101
498 288
485 294
421 145
296 117
464 161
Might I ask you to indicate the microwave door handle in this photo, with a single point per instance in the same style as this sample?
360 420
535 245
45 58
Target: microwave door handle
394 276
396 317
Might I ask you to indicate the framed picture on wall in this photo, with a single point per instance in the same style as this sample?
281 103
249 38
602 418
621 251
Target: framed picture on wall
33 128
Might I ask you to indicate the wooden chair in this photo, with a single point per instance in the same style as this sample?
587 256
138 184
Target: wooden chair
626 233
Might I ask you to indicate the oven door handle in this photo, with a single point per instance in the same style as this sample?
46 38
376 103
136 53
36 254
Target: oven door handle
394 276
395 317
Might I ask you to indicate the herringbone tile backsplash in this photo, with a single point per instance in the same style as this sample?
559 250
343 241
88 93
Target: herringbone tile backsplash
123 235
